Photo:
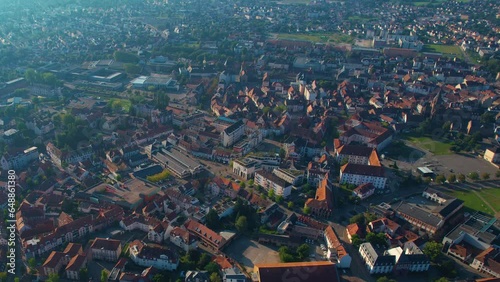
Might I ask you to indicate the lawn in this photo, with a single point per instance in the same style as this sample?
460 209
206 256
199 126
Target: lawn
451 50
318 37
434 146
471 201
492 196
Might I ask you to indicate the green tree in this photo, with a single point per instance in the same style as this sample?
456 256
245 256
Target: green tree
84 274
214 277
356 241
104 275
55 278
204 260
359 219
279 199
290 205
125 57
212 267
461 178
427 180
474 175
376 238
132 69
442 279
213 220
385 279
497 174
306 210
487 117
452 178
303 251
32 263
242 224
159 278
440 179
3 276
433 250
485 175
271 194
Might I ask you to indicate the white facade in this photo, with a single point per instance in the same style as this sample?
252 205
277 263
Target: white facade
280 188
244 169
358 179
161 262
369 256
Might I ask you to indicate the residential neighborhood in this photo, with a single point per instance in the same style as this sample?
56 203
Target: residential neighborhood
251 140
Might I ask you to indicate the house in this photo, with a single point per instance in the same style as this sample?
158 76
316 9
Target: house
492 155
355 154
183 239
16 158
376 261
322 204
364 191
313 271
384 225
269 181
77 263
197 276
153 255
409 258
233 274
71 157
106 249
353 229
336 252
358 174
436 196
295 177
245 168
206 236
488 261
53 263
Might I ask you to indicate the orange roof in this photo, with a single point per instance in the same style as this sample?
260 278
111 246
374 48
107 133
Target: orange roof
353 229
374 160
222 262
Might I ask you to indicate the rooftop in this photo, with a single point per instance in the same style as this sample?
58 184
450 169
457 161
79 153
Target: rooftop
314 271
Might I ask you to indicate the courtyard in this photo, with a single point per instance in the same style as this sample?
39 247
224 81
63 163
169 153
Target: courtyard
249 252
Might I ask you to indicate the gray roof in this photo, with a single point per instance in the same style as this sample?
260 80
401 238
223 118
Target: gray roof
418 213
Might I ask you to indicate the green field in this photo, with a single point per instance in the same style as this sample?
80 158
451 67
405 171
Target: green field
492 196
433 146
471 201
448 50
318 37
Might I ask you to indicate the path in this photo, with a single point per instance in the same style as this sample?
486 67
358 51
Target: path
497 214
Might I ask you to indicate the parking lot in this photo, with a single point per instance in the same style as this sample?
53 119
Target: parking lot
249 252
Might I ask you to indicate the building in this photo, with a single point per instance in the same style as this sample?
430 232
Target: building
197 276
409 258
72 157
376 261
106 249
436 196
233 133
154 255
358 174
429 220
314 271
18 158
53 263
245 168
77 263
295 177
272 182
183 239
208 238
488 261
364 191
158 81
233 274
479 229
336 252
356 154
322 204
492 155
180 164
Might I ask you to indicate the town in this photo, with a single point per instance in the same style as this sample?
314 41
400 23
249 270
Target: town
230 140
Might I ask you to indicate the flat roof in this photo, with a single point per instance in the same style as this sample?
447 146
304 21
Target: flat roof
425 170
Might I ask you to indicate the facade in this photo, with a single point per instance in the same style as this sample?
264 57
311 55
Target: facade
74 266
17 159
488 261
233 133
233 274
361 174
245 168
336 252
153 255
364 191
409 258
106 249
296 177
355 154
492 155
183 239
272 182
376 262
315 271
197 276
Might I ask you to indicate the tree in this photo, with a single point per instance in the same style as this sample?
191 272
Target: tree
279 199
356 241
271 194
442 279
306 210
385 279
159 278
427 180
242 224
452 178
212 267
3 276
376 238
433 250
290 205
487 117
474 175
204 260
132 68
303 251
213 220
32 263
359 219
84 274
214 277
485 175
461 178
282 153
440 179
55 278
104 275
